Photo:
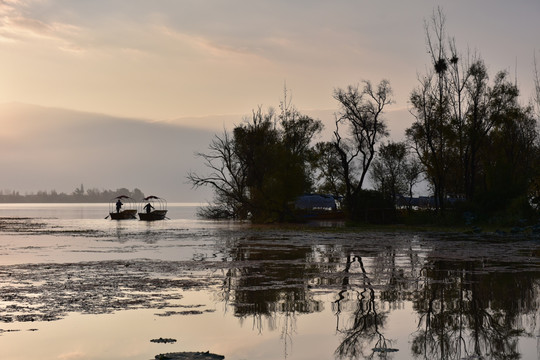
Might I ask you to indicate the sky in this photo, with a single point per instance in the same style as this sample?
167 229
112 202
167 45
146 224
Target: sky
208 63
57 149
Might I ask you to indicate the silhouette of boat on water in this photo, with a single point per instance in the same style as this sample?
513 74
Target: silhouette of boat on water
152 208
122 208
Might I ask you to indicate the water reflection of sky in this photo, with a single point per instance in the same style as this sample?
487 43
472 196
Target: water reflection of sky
267 294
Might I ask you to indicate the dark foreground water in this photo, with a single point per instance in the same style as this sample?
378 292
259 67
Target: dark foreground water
76 286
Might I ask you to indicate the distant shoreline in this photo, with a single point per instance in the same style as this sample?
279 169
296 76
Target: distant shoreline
80 195
54 202
171 203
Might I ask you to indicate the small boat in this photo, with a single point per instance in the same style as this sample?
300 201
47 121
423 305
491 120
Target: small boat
122 208
152 208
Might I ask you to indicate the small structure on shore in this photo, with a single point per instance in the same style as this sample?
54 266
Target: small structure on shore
318 206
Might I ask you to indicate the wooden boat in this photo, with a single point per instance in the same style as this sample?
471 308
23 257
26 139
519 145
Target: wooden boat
122 208
152 208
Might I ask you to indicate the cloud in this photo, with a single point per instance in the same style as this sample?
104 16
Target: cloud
165 59
216 47
33 27
18 25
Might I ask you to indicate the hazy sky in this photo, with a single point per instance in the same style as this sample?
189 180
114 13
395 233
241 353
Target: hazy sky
206 63
168 59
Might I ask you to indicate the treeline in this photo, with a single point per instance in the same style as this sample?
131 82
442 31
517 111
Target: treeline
79 195
471 140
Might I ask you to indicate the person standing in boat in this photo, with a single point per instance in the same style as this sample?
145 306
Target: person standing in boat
118 205
148 208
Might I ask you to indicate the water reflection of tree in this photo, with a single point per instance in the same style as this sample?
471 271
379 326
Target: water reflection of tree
269 285
466 312
367 321
376 273
465 308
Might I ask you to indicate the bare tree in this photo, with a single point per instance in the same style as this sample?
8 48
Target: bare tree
227 177
412 176
536 87
431 132
360 112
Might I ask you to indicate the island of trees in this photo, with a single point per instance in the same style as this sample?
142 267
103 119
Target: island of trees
472 141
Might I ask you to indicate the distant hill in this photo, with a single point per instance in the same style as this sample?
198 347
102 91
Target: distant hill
44 149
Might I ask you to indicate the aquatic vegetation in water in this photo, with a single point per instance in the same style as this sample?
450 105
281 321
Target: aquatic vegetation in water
48 292
185 312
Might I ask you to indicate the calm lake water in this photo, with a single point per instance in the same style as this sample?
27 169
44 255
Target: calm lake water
74 285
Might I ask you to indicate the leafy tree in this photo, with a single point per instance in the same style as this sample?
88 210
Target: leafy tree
262 167
459 116
329 172
388 171
510 163
534 188
256 144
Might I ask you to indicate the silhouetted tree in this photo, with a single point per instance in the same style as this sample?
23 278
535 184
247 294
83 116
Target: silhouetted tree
412 175
431 132
510 162
260 169
536 95
329 172
534 188
91 195
361 114
388 171
227 177
458 116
